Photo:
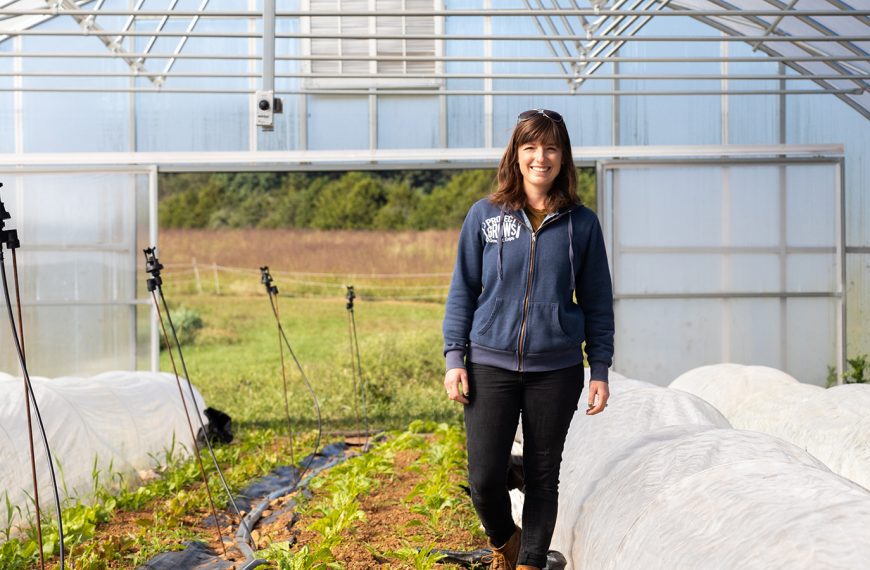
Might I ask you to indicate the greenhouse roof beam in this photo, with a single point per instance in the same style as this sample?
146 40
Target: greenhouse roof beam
551 43
773 25
337 75
620 59
617 45
850 97
462 37
455 93
193 21
379 159
844 11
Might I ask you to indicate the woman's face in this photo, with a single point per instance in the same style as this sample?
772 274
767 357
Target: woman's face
539 164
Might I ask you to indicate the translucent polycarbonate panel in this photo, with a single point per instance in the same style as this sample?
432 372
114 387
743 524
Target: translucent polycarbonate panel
587 118
724 230
93 121
812 273
92 209
396 114
654 206
752 332
752 119
811 209
72 340
79 241
77 274
670 119
336 123
695 332
669 273
857 304
814 119
811 338
7 101
659 340
465 129
751 200
191 122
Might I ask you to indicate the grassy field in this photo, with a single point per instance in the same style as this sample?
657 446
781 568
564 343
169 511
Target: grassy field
235 363
235 360
314 251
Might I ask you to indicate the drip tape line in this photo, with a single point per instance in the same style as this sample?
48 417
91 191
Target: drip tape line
251 519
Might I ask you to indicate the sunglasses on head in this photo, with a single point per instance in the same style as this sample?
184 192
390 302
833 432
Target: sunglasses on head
552 115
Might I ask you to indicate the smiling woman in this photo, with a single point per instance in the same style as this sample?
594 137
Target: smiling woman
513 331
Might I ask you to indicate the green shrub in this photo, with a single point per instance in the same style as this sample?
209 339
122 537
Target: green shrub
856 372
188 323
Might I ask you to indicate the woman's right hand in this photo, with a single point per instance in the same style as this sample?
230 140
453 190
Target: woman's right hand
456 384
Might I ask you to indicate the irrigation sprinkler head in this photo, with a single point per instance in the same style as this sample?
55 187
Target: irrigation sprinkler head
350 297
8 237
266 280
152 266
4 215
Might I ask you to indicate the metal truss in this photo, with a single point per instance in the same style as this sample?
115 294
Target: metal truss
824 42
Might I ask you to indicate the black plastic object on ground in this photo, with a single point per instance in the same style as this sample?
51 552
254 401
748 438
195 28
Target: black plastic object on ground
279 482
197 556
475 558
219 428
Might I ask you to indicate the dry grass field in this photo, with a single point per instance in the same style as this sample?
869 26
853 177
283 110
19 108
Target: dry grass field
314 251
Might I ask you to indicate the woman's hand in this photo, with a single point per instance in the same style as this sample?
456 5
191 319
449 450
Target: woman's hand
602 391
456 384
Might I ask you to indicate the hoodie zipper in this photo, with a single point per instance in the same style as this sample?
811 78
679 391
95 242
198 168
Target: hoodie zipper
534 237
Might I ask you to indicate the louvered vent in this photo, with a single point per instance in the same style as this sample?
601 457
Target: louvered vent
344 49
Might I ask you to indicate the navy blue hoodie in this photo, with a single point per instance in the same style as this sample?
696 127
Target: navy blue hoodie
512 297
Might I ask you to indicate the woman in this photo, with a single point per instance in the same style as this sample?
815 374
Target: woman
513 331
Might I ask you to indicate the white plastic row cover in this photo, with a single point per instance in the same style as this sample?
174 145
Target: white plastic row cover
832 424
125 421
662 480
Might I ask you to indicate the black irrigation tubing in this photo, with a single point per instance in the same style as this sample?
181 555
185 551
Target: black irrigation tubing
26 375
274 302
10 239
190 425
254 516
153 266
272 291
356 366
286 395
27 408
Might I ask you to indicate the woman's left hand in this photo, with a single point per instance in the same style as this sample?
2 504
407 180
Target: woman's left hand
602 391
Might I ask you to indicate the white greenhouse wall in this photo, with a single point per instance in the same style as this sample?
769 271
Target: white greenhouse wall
166 122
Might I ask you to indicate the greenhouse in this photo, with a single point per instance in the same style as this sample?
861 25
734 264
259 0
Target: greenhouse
728 141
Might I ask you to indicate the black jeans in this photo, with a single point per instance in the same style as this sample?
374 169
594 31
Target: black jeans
547 402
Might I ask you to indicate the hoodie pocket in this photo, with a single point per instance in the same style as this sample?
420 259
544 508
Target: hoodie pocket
496 324
545 332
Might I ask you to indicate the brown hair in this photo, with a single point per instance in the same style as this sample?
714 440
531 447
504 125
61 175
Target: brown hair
539 128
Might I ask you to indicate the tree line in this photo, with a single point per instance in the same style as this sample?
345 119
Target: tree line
370 200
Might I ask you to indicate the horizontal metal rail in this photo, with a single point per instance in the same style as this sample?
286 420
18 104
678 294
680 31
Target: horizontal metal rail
446 59
728 249
430 92
447 37
748 295
554 76
444 13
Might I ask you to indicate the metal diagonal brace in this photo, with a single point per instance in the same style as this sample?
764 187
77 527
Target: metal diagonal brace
90 27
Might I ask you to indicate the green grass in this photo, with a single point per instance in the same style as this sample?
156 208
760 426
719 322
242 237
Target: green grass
235 361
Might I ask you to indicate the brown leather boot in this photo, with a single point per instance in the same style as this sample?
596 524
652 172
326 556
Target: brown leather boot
505 557
527 567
